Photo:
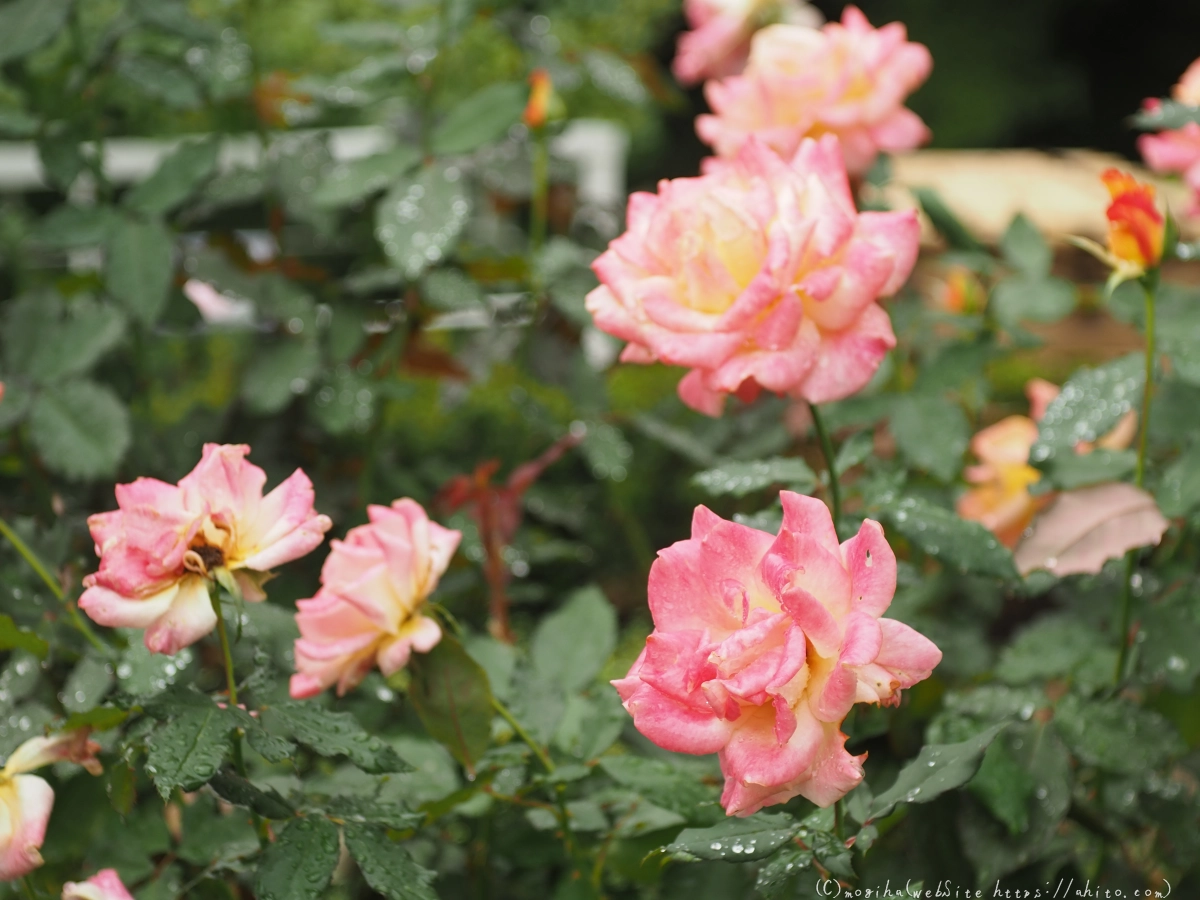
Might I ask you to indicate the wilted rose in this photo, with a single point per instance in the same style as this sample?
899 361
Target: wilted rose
760 274
368 611
761 646
847 78
162 547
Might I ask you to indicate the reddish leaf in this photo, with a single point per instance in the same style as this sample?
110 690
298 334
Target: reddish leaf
1083 529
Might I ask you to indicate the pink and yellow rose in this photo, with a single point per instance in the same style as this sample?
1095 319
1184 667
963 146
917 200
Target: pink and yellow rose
847 78
104 885
26 800
160 550
368 611
760 274
719 40
1177 152
761 646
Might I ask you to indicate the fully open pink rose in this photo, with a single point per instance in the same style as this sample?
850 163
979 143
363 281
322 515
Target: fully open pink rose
160 549
26 800
719 40
847 78
763 644
368 610
104 885
759 274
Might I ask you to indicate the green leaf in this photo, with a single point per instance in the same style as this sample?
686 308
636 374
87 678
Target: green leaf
16 123
336 734
269 746
777 879
140 265
742 478
1116 735
959 544
88 684
854 451
178 176
61 156
173 17
1054 647
1178 492
1025 249
946 223
1004 787
355 180
1089 405
27 24
421 217
734 839
1169 638
571 645
70 339
482 118
80 429
1024 299
68 227
386 865
265 801
15 404
1067 471
102 718
141 673
449 290
188 750
14 638
363 809
938 768
299 865
1166 116
279 373
450 693
606 450
162 80
665 785
932 433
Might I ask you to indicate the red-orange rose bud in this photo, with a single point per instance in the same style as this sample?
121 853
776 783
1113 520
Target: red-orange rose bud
1135 226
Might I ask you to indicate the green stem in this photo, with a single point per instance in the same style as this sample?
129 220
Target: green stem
223 635
524 735
835 491
27 886
837 820
1149 285
540 205
55 588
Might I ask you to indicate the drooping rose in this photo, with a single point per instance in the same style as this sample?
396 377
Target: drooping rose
160 550
761 646
758 275
368 611
847 78
104 885
26 800
1000 500
719 40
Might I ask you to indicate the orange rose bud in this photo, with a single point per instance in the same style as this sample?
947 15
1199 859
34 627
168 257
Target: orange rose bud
1136 228
540 98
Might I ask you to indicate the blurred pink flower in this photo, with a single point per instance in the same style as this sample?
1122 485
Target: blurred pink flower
1177 152
216 308
719 40
104 885
368 611
759 274
161 547
847 78
26 800
763 644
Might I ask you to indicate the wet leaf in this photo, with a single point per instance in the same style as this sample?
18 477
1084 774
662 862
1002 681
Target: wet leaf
1116 735
932 433
450 693
81 429
1081 530
335 734
420 218
959 544
561 653
735 839
741 478
188 750
386 865
300 863
482 118
1089 405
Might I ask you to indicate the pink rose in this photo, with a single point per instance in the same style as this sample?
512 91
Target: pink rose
160 549
26 800
104 885
1177 152
848 79
719 41
368 610
758 274
763 644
